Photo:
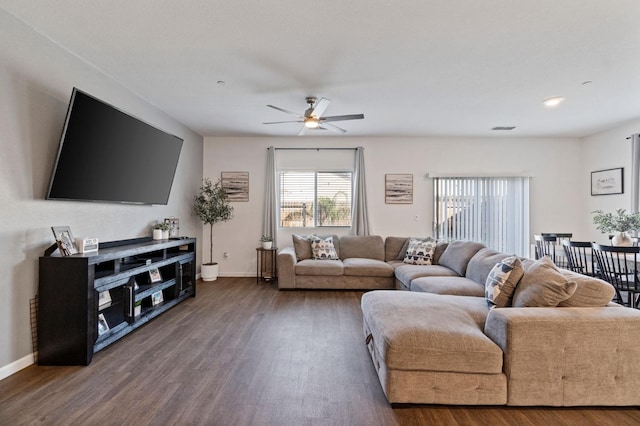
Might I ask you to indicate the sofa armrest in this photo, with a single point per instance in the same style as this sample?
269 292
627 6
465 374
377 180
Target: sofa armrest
569 356
287 268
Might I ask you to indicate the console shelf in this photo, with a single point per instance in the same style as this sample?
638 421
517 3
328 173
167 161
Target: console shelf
71 324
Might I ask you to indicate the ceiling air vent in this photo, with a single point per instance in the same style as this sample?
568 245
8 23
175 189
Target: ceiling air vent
504 128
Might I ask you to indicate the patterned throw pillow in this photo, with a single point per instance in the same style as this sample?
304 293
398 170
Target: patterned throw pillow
502 281
419 252
323 249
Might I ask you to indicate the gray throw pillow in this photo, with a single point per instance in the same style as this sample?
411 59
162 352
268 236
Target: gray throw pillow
502 281
302 246
543 285
590 291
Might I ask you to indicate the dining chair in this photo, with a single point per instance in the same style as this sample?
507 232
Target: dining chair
546 246
619 266
580 258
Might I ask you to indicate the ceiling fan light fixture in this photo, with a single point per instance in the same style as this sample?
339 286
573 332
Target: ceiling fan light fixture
554 101
311 123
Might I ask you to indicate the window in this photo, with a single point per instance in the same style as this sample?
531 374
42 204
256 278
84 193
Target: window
315 199
490 210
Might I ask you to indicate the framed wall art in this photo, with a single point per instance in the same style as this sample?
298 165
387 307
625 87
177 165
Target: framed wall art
236 185
606 182
398 189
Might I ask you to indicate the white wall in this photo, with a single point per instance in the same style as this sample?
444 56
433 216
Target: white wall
607 150
36 79
554 163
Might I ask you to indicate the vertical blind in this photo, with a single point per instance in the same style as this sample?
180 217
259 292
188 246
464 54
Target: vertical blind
490 210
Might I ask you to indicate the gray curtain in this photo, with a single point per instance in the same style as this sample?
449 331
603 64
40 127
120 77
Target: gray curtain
269 218
635 172
360 225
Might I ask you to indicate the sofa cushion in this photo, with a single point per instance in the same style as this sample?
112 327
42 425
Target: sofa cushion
455 286
323 249
406 273
419 252
367 247
542 285
357 266
502 281
302 246
590 291
317 267
482 263
430 332
457 255
393 248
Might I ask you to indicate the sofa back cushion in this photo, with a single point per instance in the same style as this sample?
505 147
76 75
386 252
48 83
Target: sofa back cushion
481 264
393 248
457 255
363 246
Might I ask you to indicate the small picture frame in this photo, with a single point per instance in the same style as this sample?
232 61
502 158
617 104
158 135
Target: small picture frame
607 182
64 239
235 185
104 299
157 298
103 327
398 189
154 275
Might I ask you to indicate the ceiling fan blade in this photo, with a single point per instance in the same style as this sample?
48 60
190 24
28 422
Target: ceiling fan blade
279 122
342 117
332 127
286 111
303 130
320 106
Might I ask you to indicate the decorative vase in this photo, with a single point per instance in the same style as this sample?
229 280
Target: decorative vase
165 234
157 234
622 239
209 272
267 244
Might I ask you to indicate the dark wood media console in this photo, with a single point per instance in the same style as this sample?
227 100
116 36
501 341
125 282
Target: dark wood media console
74 321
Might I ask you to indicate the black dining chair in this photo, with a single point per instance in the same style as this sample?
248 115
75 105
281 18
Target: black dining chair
580 258
619 266
546 246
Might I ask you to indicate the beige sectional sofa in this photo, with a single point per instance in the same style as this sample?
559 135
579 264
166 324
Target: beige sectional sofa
440 342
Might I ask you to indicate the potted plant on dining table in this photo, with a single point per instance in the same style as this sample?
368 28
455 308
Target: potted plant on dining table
620 223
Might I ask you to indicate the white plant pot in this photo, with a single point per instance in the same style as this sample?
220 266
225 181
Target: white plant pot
209 272
622 239
165 235
267 244
157 234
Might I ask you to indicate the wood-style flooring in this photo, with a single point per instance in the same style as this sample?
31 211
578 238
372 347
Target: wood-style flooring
247 354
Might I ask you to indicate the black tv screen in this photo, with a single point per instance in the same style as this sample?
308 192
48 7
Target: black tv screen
108 155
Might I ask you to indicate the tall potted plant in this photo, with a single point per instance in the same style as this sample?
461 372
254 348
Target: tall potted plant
211 206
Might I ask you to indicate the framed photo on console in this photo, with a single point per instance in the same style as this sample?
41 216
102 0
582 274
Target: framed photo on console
103 327
154 275
64 239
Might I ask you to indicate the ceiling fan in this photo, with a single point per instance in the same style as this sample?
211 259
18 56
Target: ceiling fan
313 119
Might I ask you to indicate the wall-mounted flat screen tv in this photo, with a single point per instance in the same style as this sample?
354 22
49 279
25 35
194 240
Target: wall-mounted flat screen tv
108 155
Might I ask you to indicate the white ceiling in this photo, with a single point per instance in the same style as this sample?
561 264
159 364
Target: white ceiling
413 67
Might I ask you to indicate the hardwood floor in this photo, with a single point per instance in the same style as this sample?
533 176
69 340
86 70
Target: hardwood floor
243 354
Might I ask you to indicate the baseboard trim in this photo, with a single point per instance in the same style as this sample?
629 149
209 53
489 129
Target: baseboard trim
16 366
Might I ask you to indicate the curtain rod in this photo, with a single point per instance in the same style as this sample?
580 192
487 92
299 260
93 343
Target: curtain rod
314 149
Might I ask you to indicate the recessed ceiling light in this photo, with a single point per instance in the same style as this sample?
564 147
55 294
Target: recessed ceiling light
553 101
504 128
220 83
